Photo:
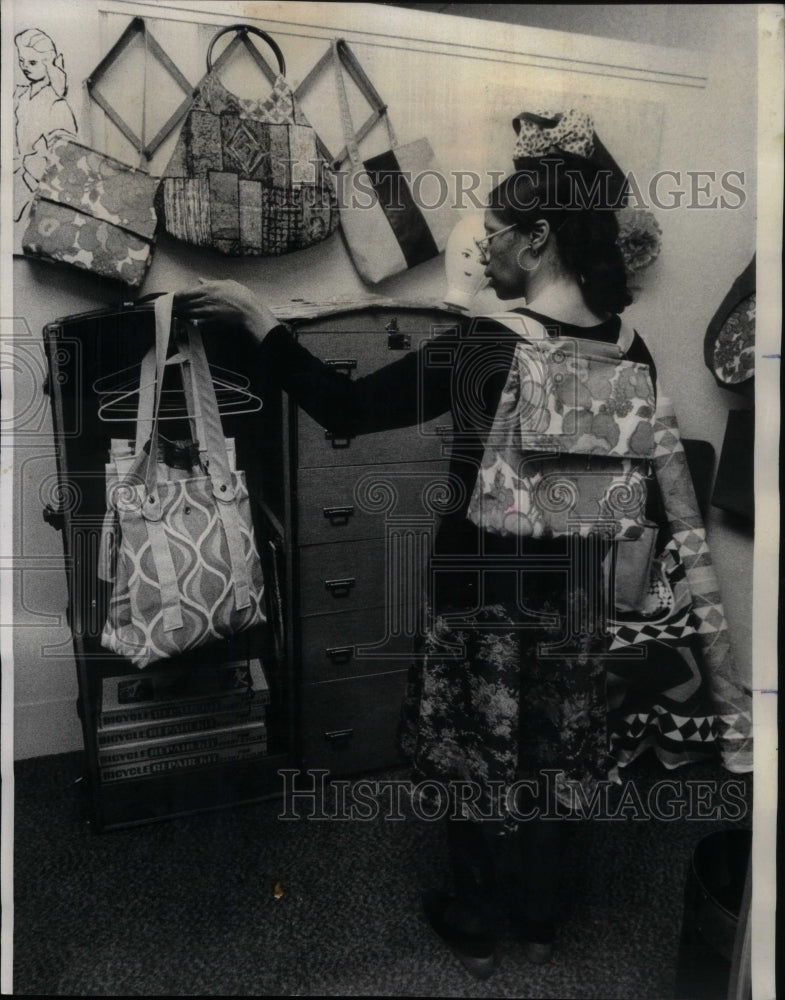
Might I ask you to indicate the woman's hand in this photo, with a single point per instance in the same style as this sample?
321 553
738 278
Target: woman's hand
226 303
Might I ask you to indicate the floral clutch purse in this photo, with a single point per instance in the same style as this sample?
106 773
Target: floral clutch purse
94 212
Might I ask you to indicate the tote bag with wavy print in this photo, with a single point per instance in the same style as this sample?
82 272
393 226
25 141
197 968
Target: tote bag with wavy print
185 564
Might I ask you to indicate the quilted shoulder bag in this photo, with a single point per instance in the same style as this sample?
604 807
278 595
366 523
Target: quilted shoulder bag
570 441
179 545
247 177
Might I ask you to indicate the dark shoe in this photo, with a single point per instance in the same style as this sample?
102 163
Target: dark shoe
536 936
537 953
475 951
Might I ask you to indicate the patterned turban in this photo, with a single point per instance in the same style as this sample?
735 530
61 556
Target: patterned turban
543 132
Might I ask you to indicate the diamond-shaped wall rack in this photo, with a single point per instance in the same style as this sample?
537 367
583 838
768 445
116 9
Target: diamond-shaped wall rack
135 29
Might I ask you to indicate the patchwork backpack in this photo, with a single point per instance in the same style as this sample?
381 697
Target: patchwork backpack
569 447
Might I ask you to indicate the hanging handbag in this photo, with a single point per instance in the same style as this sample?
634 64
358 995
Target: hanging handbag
176 459
390 219
567 451
247 177
184 562
93 212
729 342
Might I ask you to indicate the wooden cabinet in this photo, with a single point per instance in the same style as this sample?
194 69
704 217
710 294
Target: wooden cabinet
358 527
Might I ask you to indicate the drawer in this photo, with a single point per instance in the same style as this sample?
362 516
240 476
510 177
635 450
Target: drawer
316 448
353 502
357 354
349 576
350 726
331 645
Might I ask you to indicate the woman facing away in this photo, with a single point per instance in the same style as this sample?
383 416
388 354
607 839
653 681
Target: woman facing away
505 711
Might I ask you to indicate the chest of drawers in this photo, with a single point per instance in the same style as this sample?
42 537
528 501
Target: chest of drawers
358 526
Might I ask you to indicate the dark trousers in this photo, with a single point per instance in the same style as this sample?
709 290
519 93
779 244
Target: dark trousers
490 871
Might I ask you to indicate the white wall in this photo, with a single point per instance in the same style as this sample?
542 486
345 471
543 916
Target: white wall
685 26
460 82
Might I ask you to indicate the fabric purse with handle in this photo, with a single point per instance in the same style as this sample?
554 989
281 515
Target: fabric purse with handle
246 177
94 212
386 224
567 452
183 560
176 459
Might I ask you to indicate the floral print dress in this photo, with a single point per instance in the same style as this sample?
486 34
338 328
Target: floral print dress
489 702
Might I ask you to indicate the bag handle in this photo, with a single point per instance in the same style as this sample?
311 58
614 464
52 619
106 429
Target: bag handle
163 319
147 382
146 396
202 405
343 56
146 403
241 38
207 414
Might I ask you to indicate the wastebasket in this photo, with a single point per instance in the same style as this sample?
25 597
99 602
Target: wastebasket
713 898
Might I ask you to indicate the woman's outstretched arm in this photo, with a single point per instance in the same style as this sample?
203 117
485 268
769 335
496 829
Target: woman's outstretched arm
398 395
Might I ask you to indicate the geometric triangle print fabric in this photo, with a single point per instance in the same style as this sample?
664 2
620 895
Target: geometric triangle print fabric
678 725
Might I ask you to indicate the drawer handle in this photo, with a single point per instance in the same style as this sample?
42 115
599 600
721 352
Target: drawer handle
337 442
398 341
338 515
348 363
339 737
54 517
340 654
443 429
340 588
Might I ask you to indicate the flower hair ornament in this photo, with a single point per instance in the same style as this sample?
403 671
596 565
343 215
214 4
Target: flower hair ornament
639 240
545 132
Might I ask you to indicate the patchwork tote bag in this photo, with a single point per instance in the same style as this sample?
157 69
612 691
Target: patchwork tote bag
395 209
178 542
247 177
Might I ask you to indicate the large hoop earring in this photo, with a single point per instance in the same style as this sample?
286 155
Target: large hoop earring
534 253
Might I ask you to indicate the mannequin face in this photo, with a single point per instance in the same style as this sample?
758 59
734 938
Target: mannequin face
464 264
471 264
31 64
504 275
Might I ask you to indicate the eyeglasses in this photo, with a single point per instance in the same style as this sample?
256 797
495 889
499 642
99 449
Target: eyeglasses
482 245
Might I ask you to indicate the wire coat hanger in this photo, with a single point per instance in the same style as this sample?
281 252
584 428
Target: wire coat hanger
232 392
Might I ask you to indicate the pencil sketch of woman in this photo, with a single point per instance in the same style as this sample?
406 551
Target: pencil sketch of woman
41 112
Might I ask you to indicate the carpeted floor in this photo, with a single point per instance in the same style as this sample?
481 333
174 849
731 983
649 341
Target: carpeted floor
186 907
